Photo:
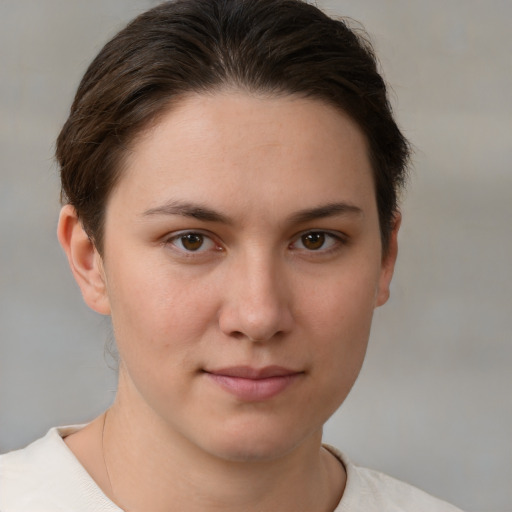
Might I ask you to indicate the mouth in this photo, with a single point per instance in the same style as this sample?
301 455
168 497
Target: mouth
254 384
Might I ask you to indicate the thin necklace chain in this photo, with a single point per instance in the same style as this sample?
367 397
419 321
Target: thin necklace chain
105 461
106 466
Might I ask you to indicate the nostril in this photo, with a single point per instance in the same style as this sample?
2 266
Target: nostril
254 338
275 336
260 314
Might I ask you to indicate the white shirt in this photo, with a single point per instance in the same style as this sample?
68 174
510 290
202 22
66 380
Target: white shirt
46 477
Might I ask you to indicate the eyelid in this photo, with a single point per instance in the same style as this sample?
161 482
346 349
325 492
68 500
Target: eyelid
176 235
339 238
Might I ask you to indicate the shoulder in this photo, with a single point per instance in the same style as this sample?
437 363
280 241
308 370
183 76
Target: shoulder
46 477
368 490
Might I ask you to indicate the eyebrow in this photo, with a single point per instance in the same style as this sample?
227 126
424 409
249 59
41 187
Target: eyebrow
203 213
328 210
193 210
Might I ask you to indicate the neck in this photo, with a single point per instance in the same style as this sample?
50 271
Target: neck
146 472
146 465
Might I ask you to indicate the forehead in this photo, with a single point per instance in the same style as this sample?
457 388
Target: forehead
237 149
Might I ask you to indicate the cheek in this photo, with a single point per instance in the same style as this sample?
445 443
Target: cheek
157 315
341 316
345 301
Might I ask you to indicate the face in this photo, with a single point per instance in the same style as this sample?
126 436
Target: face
242 264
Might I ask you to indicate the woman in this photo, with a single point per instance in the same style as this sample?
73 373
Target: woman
230 172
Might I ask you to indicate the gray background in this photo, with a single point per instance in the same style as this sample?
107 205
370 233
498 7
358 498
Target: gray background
433 404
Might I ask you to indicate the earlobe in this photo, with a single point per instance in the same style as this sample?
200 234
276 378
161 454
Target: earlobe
388 263
84 260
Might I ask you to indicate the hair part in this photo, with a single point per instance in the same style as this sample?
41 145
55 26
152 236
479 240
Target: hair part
269 47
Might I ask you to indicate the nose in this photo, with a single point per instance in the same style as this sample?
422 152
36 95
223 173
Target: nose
257 301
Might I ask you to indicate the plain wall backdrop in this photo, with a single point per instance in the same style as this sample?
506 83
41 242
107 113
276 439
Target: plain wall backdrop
433 404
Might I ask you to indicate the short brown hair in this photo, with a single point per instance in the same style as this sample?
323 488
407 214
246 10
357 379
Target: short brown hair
262 46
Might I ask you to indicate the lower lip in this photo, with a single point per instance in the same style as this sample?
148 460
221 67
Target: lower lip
254 390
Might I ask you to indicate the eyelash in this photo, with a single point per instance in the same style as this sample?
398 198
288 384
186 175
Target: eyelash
334 242
181 236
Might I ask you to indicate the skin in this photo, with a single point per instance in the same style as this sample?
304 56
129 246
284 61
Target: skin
284 268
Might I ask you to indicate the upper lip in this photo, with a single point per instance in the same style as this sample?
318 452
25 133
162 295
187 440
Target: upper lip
248 372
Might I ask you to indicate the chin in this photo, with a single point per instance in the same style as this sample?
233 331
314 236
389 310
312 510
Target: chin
256 442
252 451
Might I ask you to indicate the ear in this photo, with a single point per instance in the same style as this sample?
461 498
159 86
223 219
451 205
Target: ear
84 260
388 263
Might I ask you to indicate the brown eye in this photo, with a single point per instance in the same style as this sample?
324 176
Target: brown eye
313 241
192 241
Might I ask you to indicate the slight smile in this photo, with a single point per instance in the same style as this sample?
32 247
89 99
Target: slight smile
252 384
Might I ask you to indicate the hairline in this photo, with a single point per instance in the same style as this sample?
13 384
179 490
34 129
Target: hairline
228 86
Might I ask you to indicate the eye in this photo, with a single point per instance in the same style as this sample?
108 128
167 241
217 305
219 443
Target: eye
317 241
192 242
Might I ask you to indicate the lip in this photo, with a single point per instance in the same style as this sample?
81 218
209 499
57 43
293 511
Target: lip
254 384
